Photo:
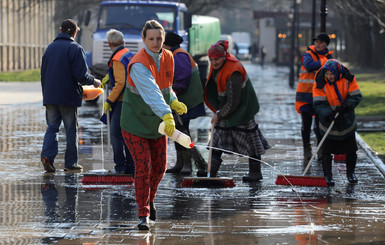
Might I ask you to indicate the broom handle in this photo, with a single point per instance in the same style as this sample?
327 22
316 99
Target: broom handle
210 151
320 144
108 131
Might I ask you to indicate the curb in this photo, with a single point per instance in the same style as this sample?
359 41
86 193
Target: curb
371 154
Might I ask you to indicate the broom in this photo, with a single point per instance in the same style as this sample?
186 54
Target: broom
303 180
208 182
105 178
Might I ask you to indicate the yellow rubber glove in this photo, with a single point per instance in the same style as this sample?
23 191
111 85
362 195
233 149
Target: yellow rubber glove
169 124
105 80
179 107
106 107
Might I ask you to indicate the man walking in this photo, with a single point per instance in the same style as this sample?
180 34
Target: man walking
63 72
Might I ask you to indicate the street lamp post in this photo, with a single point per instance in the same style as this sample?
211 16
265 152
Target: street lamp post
292 43
323 13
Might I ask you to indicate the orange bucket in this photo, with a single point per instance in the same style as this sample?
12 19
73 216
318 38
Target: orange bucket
90 92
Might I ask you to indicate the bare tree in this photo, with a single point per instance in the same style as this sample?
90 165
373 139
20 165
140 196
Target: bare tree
365 35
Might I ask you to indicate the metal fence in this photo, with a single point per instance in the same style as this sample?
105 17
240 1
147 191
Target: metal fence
26 28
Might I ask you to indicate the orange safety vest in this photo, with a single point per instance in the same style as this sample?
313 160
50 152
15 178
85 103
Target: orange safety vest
137 117
306 79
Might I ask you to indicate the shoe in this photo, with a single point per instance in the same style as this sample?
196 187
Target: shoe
307 154
329 180
201 173
352 178
255 173
152 211
144 223
74 167
48 167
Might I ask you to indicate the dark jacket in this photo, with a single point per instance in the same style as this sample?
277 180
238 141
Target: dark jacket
63 71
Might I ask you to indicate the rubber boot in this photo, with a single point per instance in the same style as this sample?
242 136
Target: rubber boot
179 163
307 154
327 168
187 165
199 161
351 161
215 164
254 170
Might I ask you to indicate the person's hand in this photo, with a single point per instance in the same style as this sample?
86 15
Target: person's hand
105 80
107 107
179 107
330 117
97 83
343 108
169 124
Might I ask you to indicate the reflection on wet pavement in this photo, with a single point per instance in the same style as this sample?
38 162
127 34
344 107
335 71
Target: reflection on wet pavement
40 208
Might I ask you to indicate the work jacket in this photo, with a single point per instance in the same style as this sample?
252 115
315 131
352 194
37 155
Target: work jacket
215 94
325 101
123 56
193 94
304 98
63 72
137 117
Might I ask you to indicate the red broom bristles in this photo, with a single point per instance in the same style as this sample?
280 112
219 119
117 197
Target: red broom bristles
301 180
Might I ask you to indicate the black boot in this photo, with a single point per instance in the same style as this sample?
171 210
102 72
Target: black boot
254 170
327 168
152 211
144 223
199 161
351 161
215 164
187 165
307 154
179 163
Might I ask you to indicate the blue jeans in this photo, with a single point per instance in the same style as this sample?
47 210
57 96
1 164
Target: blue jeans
122 157
55 114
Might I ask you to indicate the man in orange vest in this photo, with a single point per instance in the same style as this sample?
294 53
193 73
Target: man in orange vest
313 59
117 74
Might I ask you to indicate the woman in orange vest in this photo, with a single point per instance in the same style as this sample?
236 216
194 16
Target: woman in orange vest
313 59
231 96
336 90
148 99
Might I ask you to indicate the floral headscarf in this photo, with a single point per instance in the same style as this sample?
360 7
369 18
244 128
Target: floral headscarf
219 49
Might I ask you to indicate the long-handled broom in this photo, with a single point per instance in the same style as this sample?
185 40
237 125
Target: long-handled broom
302 180
108 177
208 182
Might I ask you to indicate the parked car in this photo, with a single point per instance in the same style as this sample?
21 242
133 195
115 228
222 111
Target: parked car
243 51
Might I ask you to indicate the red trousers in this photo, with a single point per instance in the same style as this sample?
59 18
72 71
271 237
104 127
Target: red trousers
150 159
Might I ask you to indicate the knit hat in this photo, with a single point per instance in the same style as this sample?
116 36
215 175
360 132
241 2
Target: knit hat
173 39
335 67
322 37
69 26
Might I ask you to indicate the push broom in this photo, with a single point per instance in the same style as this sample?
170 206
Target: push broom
106 177
208 182
302 180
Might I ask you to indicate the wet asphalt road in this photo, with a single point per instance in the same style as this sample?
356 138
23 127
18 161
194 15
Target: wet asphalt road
39 208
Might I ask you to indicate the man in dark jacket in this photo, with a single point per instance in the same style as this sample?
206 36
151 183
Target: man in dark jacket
63 72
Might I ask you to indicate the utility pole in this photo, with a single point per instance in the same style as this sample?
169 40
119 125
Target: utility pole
292 43
323 13
313 20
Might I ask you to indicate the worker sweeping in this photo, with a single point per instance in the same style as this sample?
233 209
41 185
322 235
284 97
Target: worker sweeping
336 91
231 96
148 99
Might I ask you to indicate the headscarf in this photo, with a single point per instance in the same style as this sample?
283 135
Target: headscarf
337 69
219 49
